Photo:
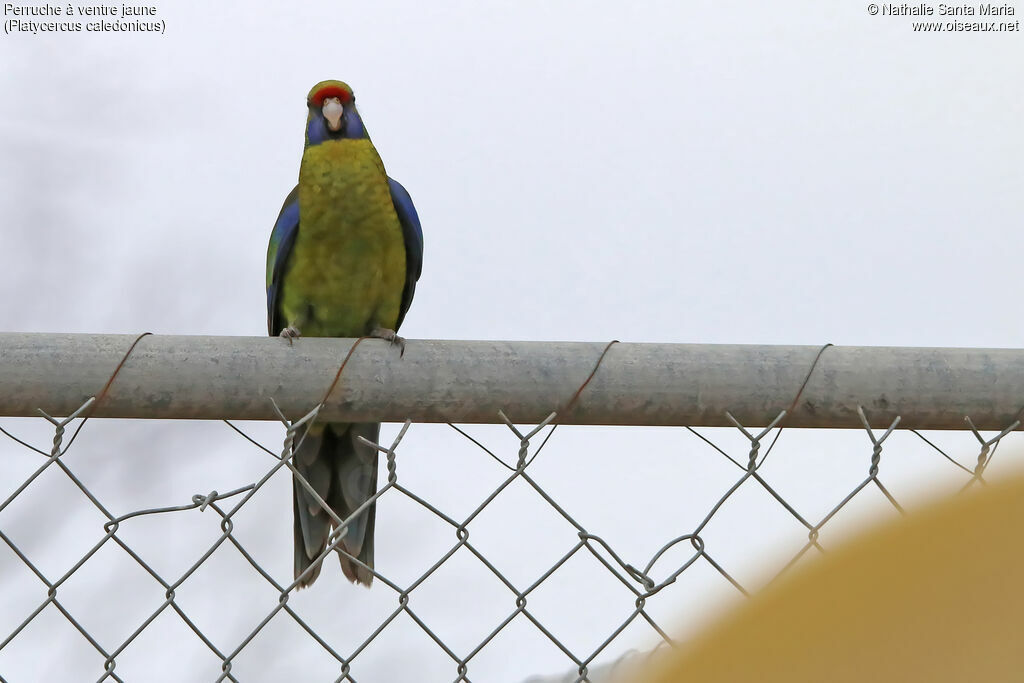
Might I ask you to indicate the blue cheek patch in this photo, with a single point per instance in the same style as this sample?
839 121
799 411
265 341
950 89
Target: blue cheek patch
354 125
316 130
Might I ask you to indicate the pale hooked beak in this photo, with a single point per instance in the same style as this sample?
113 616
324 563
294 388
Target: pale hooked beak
333 110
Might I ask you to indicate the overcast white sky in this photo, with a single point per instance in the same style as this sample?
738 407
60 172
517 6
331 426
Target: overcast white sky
784 172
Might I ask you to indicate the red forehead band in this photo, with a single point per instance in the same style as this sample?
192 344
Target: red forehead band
330 91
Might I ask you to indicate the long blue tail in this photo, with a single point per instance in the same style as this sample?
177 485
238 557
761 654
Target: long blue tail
343 471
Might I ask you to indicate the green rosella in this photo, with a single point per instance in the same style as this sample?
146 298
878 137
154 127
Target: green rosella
343 261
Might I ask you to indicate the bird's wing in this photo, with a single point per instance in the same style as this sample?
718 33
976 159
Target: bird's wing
280 247
412 233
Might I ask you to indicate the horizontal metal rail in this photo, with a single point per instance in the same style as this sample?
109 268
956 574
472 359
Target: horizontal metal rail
470 381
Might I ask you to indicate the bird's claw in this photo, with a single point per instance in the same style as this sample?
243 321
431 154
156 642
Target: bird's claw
390 335
290 333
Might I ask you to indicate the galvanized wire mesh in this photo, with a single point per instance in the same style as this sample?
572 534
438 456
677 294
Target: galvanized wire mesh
642 580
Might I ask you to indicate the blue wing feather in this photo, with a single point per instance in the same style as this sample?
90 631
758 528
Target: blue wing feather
278 251
412 233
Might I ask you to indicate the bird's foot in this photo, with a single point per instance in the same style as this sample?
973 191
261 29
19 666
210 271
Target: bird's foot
391 336
290 333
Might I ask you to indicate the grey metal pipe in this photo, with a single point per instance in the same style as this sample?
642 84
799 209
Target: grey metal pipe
470 381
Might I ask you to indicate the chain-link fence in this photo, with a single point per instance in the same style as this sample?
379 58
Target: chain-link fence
502 553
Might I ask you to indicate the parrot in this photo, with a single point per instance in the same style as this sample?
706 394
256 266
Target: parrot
344 257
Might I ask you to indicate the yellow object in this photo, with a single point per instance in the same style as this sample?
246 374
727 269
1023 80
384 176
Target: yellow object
348 262
937 596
